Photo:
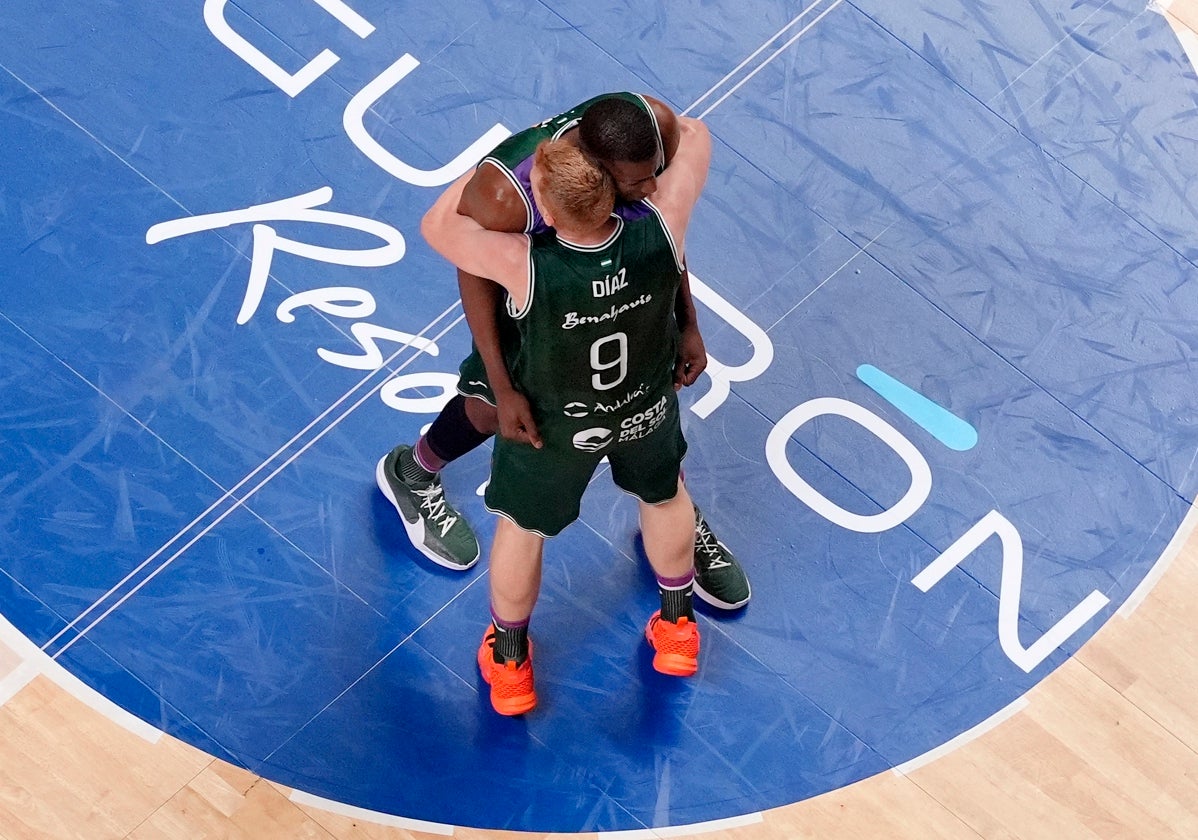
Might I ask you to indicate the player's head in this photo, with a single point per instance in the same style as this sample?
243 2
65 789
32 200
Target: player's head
623 138
572 191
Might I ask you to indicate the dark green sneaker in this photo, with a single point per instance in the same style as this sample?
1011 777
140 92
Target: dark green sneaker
437 530
719 579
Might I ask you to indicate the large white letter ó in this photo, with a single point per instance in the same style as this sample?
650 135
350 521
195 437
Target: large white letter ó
921 473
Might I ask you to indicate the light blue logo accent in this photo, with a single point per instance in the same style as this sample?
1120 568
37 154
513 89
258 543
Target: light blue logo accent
936 420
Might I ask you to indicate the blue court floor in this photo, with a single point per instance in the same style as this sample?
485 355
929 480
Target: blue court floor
949 425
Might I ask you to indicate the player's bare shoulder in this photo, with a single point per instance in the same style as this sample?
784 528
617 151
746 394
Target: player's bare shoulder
492 200
667 124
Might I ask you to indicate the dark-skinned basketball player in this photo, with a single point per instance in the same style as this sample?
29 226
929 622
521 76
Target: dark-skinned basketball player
633 137
593 300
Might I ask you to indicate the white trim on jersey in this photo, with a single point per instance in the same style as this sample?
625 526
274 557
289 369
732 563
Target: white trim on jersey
557 135
669 234
517 314
661 144
615 234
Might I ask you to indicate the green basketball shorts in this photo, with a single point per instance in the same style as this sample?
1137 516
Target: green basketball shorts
472 378
541 489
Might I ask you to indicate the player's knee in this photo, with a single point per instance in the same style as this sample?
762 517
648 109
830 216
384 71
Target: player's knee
482 415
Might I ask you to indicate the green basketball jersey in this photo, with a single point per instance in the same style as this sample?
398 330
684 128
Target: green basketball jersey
513 157
597 338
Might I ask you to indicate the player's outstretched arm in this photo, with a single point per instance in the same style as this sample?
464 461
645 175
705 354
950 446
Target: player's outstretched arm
491 200
681 184
692 353
468 245
678 188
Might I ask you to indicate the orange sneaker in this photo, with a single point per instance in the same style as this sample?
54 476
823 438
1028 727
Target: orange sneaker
677 645
512 691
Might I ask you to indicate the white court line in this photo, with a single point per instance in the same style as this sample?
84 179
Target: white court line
772 56
98 390
1188 39
243 499
229 493
953 170
34 663
1003 714
298 796
1068 36
640 834
1050 89
167 446
93 137
383 659
1161 565
912 765
262 466
752 56
683 830
861 250
18 678
335 807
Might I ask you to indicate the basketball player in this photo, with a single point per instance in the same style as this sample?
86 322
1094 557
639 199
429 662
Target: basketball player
592 301
632 137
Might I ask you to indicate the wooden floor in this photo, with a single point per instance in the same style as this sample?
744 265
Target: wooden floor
1104 748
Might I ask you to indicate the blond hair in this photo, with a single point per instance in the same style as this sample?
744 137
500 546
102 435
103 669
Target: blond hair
579 192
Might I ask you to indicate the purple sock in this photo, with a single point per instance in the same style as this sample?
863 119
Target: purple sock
425 456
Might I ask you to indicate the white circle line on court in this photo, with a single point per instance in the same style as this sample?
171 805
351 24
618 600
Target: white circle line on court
1010 710
377 817
683 830
1150 580
34 662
